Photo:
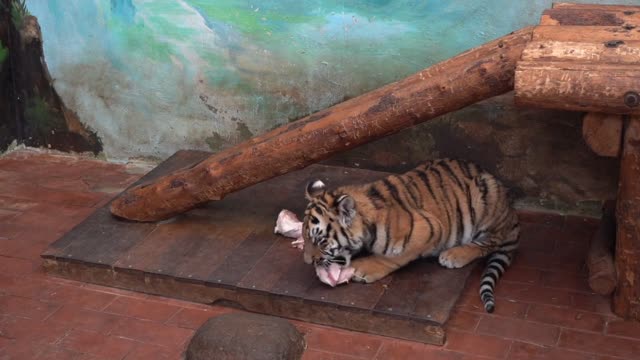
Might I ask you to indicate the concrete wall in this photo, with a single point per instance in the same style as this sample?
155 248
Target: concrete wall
154 76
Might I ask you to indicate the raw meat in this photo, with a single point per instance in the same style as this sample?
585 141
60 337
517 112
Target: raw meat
334 274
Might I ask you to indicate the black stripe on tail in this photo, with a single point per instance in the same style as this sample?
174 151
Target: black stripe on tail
497 263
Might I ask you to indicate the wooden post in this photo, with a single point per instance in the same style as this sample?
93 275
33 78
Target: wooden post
470 77
626 301
602 271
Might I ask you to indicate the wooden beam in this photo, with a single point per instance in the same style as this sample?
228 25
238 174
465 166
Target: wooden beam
603 133
594 87
602 271
564 5
626 301
472 76
626 52
591 17
576 33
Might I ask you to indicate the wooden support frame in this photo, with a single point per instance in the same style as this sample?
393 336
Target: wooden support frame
626 301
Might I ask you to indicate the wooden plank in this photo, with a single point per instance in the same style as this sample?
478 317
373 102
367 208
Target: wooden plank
226 253
588 34
86 242
603 133
188 247
405 288
590 17
271 267
626 300
607 88
627 52
472 76
244 257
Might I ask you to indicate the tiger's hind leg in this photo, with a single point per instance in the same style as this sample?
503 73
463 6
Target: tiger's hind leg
459 256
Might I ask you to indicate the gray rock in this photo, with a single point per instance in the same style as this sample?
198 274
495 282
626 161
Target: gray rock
245 336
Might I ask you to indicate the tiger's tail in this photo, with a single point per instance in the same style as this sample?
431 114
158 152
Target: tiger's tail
497 264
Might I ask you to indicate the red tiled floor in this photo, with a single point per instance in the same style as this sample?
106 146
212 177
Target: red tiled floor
544 309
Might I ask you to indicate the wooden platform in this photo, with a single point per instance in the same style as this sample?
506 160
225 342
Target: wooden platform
226 253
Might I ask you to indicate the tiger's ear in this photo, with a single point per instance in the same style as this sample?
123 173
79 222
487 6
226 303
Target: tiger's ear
347 209
314 189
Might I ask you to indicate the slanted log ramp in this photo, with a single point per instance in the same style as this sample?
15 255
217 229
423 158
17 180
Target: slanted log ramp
581 58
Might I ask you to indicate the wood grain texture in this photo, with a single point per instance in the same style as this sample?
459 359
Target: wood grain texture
626 300
566 5
602 271
603 133
472 76
591 17
564 85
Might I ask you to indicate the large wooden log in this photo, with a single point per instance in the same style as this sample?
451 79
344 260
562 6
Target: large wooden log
603 133
472 76
602 271
626 301
581 68
609 88
604 15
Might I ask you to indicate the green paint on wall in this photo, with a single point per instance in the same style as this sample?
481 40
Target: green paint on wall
18 12
215 142
260 24
40 118
4 52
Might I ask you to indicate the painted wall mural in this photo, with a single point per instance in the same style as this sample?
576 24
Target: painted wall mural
152 76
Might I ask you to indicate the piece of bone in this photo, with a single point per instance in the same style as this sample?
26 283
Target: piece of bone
288 225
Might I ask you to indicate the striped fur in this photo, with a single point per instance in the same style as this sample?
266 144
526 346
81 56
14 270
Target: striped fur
446 208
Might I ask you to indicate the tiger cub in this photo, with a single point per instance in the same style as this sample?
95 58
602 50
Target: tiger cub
446 208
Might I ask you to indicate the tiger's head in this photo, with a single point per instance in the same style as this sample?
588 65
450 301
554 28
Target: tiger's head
332 229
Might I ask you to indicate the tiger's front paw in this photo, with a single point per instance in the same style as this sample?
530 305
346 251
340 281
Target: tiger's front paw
367 271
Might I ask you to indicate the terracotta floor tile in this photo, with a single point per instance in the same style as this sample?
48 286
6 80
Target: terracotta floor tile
78 318
17 266
565 280
540 334
524 351
194 318
109 347
311 354
463 320
566 317
619 327
143 351
152 332
533 293
58 353
599 344
342 342
545 284
477 344
141 309
32 331
26 308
